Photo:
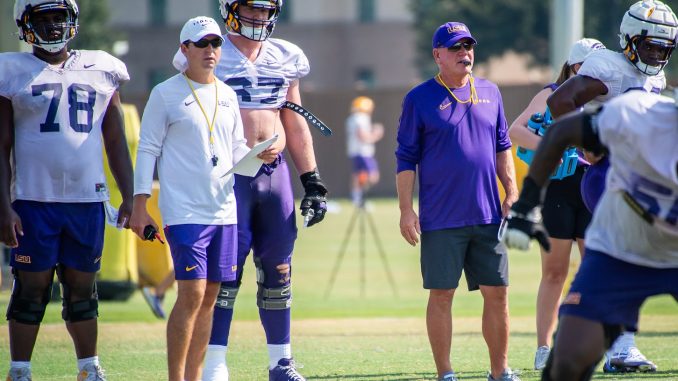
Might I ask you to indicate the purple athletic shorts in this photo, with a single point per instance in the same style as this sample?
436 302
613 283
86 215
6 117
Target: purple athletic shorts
611 291
203 251
70 234
364 164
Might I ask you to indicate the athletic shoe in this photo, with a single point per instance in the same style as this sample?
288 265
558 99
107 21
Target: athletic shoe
91 372
285 371
508 375
541 356
627 360
449 376
19 374
154 302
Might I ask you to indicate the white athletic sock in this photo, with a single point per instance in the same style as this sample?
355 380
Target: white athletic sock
89 360
215 363
624 341
20 364
276 352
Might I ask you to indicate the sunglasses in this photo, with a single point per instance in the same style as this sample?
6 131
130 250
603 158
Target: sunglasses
202 43
468 46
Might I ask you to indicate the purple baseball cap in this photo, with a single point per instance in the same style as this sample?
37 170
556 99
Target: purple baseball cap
450 33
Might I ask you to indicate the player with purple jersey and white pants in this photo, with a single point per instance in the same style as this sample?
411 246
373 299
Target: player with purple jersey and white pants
265 73
454 133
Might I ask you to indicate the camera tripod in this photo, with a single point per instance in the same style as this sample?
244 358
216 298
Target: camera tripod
363 217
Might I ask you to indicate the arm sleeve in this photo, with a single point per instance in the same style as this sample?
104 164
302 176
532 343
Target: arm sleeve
152 135
503 139
408 150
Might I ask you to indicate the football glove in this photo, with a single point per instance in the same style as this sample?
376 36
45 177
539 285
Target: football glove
314 202
524 220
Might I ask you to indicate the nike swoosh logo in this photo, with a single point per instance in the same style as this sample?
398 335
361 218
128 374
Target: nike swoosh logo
188 103
89 66
191 268
97 259
442 107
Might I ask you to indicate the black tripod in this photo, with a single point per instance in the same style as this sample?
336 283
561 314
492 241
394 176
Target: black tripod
361 214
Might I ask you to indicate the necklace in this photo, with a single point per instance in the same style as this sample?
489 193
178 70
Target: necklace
210 126
474 95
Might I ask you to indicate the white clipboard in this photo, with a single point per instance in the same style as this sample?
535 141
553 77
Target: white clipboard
249 165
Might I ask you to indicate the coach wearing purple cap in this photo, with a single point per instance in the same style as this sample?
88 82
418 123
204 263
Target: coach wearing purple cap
453 130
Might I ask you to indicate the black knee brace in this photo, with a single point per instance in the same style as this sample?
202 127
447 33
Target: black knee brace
278 298
23 310
226 297
81 310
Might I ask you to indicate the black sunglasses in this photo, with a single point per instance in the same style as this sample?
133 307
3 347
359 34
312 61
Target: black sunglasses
202 43
457 47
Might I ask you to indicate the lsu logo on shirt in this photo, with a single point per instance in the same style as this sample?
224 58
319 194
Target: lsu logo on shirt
22 258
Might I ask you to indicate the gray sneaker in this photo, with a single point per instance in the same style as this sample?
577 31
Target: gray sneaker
19 374
449 376
91 372
541 356
508 375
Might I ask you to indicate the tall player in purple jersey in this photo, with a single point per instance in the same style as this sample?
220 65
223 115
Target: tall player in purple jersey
453 129
265 73
647 35
57 107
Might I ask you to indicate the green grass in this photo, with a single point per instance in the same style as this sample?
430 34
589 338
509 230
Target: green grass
348 335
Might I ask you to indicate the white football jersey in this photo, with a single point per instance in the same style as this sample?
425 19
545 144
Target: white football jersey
58 112
643 163
618 74
261 84
358 121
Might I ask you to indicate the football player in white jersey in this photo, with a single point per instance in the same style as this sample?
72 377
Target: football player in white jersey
632 242
648 37
265 73
56 107
361 135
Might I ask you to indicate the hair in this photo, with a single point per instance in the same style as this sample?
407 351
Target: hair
565 73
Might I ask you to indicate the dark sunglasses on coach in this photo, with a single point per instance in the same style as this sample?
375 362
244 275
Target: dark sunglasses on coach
203 42
457 47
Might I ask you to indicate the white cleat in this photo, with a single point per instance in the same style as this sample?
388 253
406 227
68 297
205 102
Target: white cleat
541 356
19 374
91 372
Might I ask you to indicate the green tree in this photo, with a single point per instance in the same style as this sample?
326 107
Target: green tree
94 31
518 25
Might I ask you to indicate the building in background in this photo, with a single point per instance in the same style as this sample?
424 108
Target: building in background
355 47
351 44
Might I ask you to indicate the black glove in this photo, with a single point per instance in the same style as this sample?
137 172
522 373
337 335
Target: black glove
524 220
314 203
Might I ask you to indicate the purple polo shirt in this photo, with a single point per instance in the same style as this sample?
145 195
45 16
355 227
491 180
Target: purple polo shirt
455 146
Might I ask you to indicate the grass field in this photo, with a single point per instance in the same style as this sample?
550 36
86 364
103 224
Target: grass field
347 336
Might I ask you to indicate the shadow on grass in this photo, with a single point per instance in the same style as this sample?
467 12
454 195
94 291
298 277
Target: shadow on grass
417 376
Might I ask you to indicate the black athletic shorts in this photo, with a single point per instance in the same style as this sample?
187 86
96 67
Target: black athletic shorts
565 215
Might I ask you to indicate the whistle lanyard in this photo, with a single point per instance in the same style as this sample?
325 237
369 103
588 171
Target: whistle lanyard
474 95
210 126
